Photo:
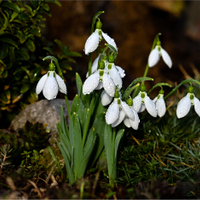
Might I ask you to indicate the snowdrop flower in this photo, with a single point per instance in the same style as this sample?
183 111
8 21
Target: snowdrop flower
106 99
50 84
119 111
155 55
160 104
98 80
185 103
142 102
93 41
125 116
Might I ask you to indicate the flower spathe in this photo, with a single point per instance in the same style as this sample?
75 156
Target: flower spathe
185 104
155 55
50 84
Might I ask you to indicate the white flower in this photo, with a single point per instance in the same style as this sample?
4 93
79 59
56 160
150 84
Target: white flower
185 103
119 111
142 101
50 84
155 55
105 98
114 74
97 80
93 41
160 105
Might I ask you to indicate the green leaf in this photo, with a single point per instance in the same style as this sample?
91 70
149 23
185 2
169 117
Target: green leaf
54 1
88 151
11 6
22 37
3 51
5 25
25 88
120 133
79 84
23 54
45 6
9 41
29 9
78 148
34 3
12 54
35 32
13 16
18 73
24 16
30 44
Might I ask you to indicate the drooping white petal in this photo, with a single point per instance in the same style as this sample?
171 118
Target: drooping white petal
100 86
105 98
114 74
40 84
150 106
137 103
127 122
128 111
120 119
142 108
121 71
92 42
91 83
166 58
183 106
108 85
197 106
94 66
61 84
154 57
161 106
50 89
109 40
112 113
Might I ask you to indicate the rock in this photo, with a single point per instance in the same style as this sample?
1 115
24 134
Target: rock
44 112
47 113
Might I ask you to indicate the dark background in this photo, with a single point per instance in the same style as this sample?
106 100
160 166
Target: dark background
133 25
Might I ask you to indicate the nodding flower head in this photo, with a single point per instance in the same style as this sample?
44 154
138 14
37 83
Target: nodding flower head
160 105
155 55
142 101
93 41
50 84
185 104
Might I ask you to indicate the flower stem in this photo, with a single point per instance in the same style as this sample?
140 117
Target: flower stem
183 82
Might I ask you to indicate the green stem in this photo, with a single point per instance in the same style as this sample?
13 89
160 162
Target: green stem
158 85
68 107
183 82
90 64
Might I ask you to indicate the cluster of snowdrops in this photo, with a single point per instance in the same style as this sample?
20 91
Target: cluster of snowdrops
104 74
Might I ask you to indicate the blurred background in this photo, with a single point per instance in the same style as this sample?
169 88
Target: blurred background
133 25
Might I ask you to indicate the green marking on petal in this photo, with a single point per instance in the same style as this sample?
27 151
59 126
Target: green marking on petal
142 95
191 96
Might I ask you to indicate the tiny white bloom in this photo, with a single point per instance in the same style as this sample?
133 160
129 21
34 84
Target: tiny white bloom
92 42
185 103
105 98
109 40
112 114
98 80
155 55
121 71
91 83
142 101
114 74
160 105
50 84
